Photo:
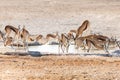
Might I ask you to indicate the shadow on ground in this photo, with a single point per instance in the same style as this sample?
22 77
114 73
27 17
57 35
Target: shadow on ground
116 53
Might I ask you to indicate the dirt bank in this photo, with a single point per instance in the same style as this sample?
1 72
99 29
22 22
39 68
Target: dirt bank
59 68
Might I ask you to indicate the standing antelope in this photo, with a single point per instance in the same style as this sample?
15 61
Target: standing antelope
25 36
64 41
82 28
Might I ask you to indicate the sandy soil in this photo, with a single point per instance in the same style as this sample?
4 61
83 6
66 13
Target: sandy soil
48 16
59 68
62 15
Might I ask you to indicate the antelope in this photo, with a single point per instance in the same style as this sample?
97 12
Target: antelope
41 39
70 37
104 39
96 44
99 41
48 38
2 35
118 44
9 41
82 28
64 41
52 37
32 38
10 28
23 36
114 42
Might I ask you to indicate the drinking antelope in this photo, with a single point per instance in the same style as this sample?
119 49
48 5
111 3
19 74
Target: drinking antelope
8 41
22 36
9 29
2 36
41 39
98 41
52 38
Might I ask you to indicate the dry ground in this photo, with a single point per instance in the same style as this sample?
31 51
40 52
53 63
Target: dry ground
59 68
48 16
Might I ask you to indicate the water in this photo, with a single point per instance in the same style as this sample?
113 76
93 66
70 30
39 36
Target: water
51 49
55 50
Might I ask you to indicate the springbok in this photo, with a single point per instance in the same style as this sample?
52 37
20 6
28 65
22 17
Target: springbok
64 41
98 41
23 36
9 29
52 38
8 41
41 39
97 44
49 38
2 35
24 33
82 28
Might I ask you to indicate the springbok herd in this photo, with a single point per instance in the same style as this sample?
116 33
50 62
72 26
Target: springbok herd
20 37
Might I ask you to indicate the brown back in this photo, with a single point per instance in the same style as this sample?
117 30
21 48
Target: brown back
10 28
39 37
